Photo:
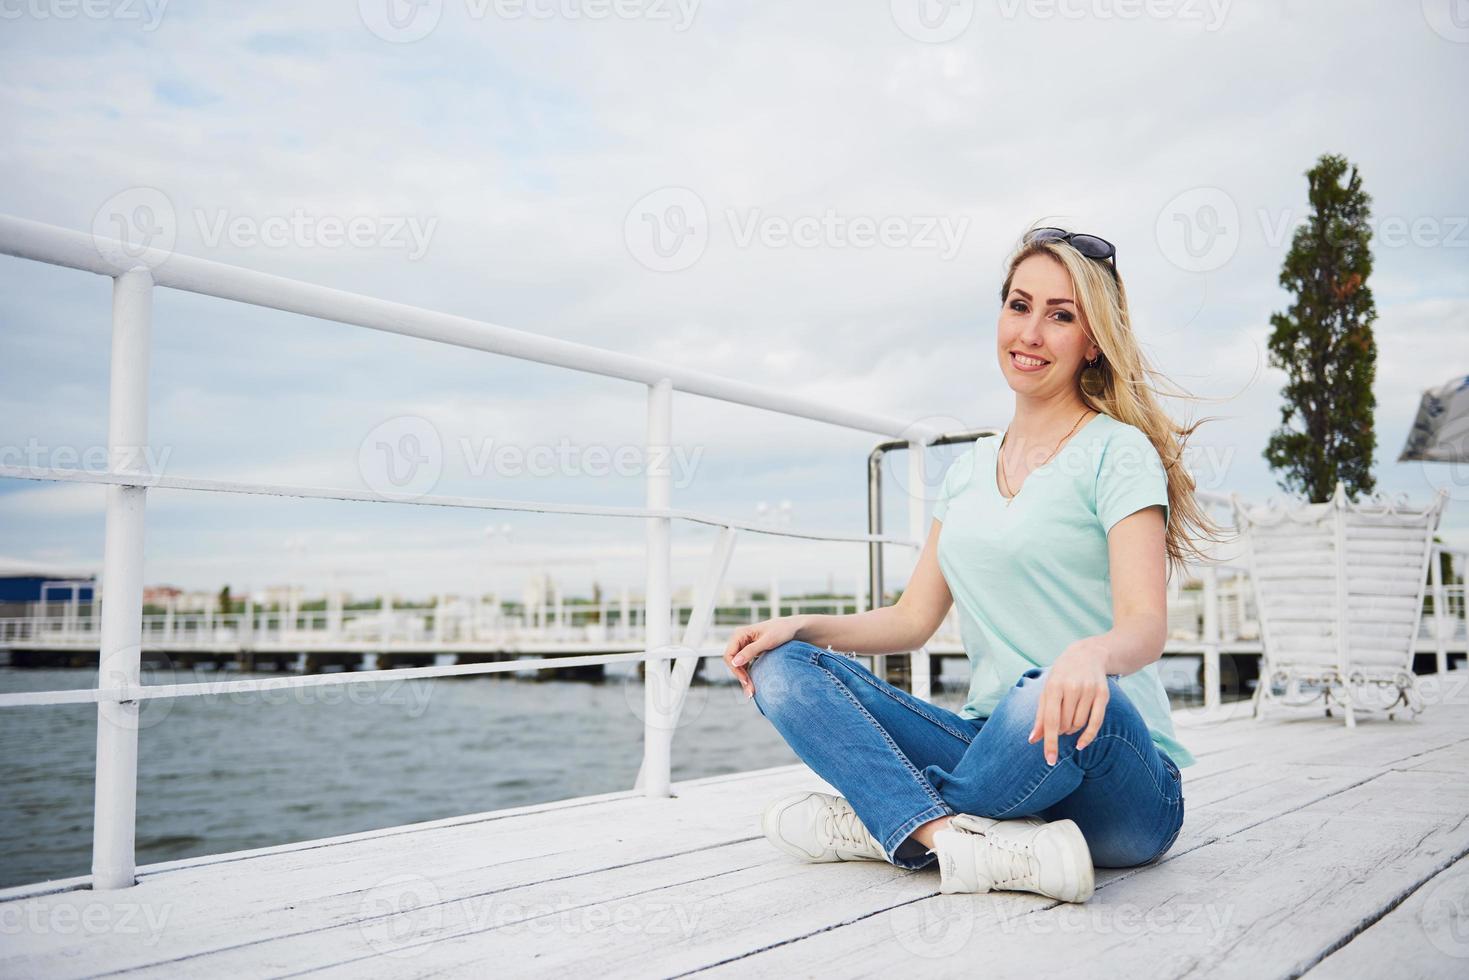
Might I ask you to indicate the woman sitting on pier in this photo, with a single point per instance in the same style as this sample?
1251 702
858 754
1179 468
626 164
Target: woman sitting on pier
1053 539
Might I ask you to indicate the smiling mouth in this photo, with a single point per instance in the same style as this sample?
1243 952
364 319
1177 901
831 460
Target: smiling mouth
1025 360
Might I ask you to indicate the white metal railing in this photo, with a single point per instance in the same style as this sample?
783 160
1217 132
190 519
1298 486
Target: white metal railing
136 273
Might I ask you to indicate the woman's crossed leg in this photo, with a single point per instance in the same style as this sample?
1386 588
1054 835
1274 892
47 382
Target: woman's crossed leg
902 763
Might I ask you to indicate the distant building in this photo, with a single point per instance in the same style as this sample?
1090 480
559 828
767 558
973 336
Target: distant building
158 595
24 583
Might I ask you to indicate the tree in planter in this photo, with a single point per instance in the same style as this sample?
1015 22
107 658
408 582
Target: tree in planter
1324 342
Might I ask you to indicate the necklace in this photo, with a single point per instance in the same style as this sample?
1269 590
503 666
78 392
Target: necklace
1000 456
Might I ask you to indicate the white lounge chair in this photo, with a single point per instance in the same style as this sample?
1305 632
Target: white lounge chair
1339 588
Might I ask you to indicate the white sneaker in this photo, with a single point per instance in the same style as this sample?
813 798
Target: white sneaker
977 854
819 827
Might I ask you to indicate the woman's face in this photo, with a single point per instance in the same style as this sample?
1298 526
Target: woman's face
1042 335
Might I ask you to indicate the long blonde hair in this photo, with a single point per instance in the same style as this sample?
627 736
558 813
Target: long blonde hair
1128 393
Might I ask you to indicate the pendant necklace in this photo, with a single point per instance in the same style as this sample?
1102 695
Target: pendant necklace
1000 456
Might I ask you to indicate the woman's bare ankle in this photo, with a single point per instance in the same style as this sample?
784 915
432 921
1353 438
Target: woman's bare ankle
923 834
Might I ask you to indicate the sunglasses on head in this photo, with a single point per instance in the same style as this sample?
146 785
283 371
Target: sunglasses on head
1089 245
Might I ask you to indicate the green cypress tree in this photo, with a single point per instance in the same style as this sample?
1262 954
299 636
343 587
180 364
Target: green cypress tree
1324 342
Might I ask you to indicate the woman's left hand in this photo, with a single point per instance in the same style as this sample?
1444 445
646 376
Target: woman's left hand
1075 696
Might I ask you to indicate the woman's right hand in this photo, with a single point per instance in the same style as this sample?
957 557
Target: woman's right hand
749 642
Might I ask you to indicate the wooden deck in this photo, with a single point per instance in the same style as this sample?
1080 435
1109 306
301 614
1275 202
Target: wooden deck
1307 849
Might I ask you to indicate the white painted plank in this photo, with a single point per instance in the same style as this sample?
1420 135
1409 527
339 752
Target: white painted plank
1267 902
312 904
1427 936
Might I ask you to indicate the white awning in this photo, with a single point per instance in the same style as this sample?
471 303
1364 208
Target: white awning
1440 434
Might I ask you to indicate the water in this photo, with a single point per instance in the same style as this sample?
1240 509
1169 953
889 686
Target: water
223 773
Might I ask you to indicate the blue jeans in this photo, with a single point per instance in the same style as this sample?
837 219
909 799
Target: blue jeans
901 761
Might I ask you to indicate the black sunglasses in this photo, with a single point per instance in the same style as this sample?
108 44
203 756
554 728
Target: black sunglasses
1089 245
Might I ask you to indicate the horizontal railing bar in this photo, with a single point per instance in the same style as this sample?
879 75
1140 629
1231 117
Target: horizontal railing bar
150 480
151 691
103 256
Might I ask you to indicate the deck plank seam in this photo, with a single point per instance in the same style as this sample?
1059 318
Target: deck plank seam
1369 921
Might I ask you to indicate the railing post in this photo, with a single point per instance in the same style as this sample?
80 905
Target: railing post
119 655
920 683
657 627
1440 642
1212 695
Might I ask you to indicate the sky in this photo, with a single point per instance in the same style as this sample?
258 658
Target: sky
816 197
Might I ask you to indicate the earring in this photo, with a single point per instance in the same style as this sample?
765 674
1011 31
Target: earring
1091 378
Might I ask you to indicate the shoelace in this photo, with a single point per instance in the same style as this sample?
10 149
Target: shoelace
1014 853
845 829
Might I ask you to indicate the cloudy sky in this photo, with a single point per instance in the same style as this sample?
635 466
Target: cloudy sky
815 197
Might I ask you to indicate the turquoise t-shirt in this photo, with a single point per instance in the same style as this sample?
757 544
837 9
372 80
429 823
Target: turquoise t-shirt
1031 577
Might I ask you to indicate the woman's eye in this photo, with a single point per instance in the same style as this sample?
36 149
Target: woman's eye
1065 316
1017 305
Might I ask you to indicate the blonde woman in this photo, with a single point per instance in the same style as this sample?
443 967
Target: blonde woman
1054 540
